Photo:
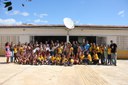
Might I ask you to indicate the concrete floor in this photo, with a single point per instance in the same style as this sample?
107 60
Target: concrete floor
14 74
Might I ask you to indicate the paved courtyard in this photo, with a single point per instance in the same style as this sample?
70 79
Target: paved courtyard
14 74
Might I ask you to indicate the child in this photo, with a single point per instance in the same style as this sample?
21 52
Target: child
8 52
58 59
82 56
35 59
64 60
76 60
53 59
15 53
39 59
109 55
71 61
95 58
89 58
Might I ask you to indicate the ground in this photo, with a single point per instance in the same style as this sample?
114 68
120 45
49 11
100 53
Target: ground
14 74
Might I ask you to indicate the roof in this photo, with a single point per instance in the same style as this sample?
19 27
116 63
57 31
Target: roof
77 26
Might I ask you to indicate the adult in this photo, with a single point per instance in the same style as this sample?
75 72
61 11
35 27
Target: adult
113 47
87 46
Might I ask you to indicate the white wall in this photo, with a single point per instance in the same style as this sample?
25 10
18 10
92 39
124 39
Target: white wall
109 38
61 31
24 38
34 31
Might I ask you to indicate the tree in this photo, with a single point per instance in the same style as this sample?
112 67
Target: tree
8 4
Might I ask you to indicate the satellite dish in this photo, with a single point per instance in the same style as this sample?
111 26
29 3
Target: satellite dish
69 23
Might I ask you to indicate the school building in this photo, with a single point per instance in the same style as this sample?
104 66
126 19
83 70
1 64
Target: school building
93 33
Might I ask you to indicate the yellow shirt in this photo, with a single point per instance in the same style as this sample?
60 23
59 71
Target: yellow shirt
101 50
72 61
96 57
42 58
97 49
65 60
71 49
109 51
21 49
53 58
58 58
91 49
39 58
15 50
59 50
82 57
89 57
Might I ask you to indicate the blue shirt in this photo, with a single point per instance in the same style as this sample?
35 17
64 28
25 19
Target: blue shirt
86 47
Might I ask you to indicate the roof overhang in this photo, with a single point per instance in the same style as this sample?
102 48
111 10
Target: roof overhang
91 27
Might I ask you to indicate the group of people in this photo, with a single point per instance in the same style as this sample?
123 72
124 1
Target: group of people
61 53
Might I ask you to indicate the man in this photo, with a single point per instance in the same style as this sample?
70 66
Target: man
87 46
113 47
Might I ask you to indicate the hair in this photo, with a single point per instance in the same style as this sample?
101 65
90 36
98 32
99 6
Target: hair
111 40
6 44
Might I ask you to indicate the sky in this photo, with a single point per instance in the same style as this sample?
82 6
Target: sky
52 12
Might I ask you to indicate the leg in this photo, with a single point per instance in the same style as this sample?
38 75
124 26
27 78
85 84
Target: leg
115 59
12 55
7 60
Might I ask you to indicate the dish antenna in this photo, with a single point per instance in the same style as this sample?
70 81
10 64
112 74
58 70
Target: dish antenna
69 23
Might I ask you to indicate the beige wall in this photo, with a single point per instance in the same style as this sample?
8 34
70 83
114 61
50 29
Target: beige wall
7 38
62 31
24 38
109 38
33 31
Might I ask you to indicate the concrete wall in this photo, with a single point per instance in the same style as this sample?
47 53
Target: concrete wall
7 38
62 31
24 38
33 31
109 38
